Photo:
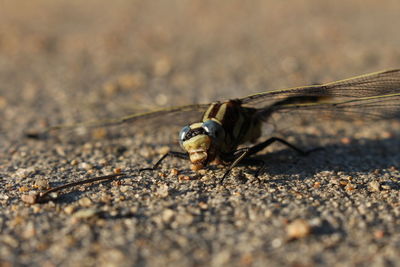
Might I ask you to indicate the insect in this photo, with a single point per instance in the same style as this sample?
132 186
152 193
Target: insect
226 125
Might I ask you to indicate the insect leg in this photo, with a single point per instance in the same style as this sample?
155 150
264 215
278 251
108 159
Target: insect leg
174 154
245 152
257 148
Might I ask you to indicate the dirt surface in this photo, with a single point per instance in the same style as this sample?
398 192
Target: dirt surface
73 61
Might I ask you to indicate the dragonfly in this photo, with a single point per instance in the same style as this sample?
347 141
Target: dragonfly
225 126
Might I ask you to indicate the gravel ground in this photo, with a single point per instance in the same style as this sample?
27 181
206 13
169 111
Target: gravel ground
70 61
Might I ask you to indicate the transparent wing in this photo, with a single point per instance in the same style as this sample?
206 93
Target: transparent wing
368 97
172 116
369 85
373 107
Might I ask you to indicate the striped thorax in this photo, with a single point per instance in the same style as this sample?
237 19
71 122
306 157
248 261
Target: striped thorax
224 126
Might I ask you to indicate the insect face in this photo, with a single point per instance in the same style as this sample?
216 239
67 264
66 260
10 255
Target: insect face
200 140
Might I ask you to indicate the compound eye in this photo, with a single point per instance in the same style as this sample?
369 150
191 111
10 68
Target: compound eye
183 133
214 129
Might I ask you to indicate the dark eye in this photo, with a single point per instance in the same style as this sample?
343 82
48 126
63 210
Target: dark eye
214 129
182 134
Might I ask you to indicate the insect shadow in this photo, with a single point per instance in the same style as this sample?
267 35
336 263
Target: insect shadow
361 155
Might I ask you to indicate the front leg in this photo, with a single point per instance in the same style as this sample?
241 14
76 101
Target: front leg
174 154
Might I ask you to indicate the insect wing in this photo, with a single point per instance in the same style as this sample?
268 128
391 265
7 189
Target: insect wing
374 84
179 115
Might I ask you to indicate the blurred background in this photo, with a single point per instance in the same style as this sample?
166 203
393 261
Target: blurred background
65 61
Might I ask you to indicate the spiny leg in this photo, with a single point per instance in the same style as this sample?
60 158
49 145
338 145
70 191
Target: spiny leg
246 152
173 154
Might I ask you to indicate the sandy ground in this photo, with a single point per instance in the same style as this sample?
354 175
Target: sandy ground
72 61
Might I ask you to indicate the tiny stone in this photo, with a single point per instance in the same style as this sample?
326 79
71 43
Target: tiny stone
161 174
174 172
99 133
117 170
374 186
184 178
4 196
74 162
60 151
345 140
83 214
386 187
184 219
42 183
9 240
102 162
54 195
276 243
23 189
69 209
24 172
162 191
36 208
85 166
203 205
29 231
30 198
85 202
124 188
350 187
379 234
298 229
202 171
167 215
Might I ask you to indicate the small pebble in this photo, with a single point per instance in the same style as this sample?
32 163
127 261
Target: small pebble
162 191
117 170
298 229
345 140
24 172
42 183
386 187
184 218
30 198
29 231
69 209
4 196
375 186
23 189
174 172
350 187
167 215
124 188
203 205
85 166
102 162
84 214
85 202
184 178
378 234
161 174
